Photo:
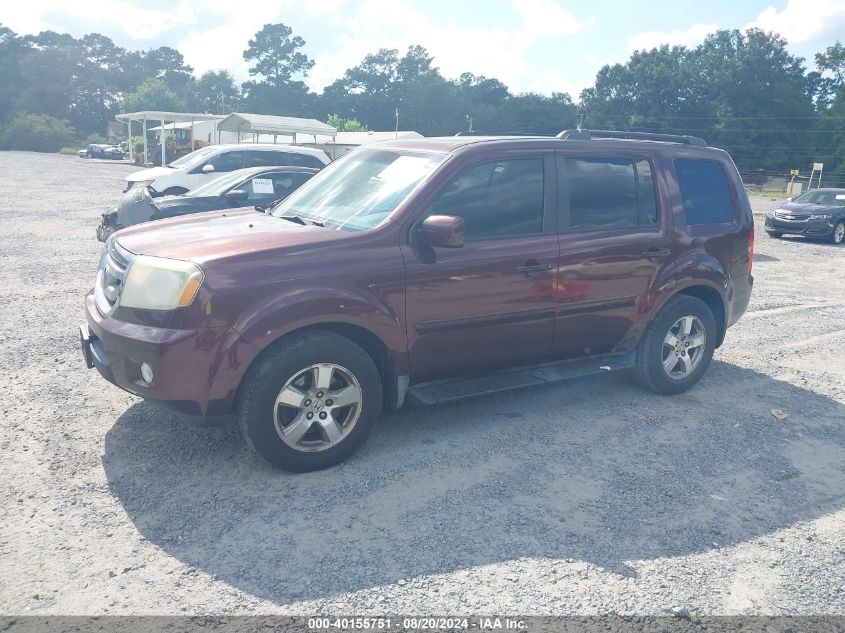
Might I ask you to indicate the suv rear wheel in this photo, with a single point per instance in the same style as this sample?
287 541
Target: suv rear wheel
678 346
310 402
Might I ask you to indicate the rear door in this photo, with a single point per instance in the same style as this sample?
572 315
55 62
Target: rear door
491 302
615 250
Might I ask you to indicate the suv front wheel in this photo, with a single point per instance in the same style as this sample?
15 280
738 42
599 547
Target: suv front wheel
310 402
677 347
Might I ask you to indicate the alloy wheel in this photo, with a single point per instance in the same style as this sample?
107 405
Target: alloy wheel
683 347
318 407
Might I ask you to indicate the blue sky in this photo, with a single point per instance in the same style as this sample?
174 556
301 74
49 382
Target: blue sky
538 45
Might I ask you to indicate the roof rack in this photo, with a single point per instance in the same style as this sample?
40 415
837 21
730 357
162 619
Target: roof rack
489 133
586 135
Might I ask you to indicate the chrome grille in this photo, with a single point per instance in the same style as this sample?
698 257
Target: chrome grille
787 215
113 266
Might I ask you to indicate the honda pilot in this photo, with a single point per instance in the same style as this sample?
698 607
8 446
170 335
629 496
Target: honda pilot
429 270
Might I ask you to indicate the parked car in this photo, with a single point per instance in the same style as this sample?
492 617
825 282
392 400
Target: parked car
100 150
83 153
429 270
202 165
818 213
255 186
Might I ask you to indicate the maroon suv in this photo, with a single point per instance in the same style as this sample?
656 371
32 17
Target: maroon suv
429 270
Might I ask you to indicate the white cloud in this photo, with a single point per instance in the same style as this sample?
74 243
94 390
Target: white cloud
803 21
652 39
99 15
491 51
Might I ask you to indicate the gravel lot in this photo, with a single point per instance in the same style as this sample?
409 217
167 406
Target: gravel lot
592 497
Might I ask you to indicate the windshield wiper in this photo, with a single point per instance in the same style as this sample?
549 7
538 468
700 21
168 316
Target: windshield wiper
294 218
300 220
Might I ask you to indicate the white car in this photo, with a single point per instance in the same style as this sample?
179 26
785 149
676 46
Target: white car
202 165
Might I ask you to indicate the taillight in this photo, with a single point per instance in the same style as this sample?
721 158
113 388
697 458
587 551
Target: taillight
750 249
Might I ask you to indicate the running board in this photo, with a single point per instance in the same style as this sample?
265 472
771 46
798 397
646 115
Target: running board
440 391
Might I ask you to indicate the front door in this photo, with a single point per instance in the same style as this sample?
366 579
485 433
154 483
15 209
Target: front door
490 303
615 251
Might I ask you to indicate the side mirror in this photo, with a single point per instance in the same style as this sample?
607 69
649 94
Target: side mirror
442 230
236 195
207 169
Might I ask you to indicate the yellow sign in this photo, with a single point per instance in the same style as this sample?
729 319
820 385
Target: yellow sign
793 172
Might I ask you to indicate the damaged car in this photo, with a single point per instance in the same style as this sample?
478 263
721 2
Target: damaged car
261 187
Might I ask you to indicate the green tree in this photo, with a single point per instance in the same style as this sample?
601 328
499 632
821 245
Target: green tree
153 94
280 66
37 132
345 125
276 56
215 92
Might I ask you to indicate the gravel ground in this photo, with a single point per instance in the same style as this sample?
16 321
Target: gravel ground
591 497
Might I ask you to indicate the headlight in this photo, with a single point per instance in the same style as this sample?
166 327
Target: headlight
820 216
771 213
156 283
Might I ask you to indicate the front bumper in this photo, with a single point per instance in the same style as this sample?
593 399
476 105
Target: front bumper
182 360
810 228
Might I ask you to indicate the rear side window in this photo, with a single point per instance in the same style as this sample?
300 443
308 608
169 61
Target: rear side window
306 160
705 191
277 158
610 193
497 199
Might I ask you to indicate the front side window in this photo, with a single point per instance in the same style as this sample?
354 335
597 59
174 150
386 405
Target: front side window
360 190
610 193
704 189
828 198
496 199
227 161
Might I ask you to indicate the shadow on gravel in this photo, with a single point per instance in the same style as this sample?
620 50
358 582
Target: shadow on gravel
596 470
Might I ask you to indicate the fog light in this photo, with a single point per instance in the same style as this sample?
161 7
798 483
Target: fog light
147 373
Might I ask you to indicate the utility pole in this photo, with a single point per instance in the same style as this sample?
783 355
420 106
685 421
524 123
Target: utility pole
469 123
396 133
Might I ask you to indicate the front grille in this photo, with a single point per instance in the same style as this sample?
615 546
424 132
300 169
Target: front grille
110 275
786 215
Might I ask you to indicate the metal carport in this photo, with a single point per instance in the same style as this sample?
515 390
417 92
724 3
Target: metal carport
164 118
243 122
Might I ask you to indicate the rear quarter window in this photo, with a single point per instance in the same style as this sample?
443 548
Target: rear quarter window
705 191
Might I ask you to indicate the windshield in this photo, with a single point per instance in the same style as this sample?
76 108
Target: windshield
822 197
189 161
357 192
218 186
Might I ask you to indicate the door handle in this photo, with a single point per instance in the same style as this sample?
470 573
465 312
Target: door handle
655 252
532 268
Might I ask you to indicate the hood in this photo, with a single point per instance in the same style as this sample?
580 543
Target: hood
810 207
218 235
148 174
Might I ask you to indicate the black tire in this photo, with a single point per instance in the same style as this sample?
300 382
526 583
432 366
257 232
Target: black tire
838 234
269 374
174 191
648 368
774 234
